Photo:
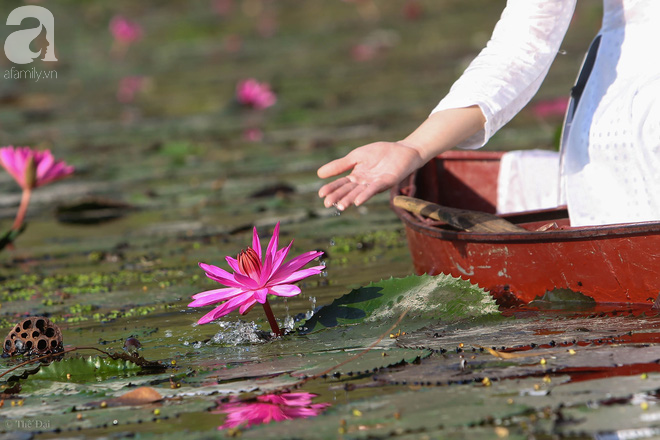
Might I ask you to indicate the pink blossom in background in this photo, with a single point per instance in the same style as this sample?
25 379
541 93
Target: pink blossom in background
125 31
363 52
252 93
270 407
254 278
129 87
222 7
412 10
253 135
550 107
32 168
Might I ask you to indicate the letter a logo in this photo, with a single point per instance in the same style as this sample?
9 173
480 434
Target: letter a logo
17 45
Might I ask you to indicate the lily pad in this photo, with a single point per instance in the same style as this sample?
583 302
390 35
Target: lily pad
424 298
84 369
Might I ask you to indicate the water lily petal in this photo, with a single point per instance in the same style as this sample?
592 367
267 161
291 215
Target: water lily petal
274 241
271 267
246 282
256 244
220 275
284 290
299 275
233 263
281 255
8 159
223 309
247 306
296 263
59 171
260 295
44 162
214 296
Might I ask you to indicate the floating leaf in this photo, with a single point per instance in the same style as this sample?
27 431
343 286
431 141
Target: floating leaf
139 396
84 369
562 299
431 298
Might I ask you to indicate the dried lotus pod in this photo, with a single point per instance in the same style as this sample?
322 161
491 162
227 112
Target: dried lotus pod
33 335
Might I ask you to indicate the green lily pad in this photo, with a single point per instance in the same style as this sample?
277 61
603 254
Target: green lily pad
84 369
424 298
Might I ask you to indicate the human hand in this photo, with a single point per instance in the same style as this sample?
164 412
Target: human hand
374 168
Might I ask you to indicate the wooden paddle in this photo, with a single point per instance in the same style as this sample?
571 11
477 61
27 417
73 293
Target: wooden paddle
465 220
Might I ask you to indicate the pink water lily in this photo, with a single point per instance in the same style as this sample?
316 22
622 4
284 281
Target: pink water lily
252 93
31 168
124 30
129 87
270 407
254 278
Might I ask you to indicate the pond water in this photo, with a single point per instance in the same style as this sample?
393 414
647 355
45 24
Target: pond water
165 178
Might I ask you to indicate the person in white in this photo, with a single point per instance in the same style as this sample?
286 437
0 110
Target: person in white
610 169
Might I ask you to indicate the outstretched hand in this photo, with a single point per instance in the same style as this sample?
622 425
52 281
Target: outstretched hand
374 168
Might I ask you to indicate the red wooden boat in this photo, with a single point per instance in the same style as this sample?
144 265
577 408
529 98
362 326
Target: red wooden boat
611 264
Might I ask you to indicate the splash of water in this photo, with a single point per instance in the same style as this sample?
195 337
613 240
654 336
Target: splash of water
237 333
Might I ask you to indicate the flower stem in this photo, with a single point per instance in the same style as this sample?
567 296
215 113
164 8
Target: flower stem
271 320
22 209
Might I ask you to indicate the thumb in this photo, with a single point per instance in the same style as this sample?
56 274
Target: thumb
335 167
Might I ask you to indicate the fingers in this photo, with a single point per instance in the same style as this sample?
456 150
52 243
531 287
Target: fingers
332 186
349 198
370 191
336 191
342 193
335 167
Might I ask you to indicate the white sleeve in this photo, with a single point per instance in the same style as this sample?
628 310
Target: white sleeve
510 69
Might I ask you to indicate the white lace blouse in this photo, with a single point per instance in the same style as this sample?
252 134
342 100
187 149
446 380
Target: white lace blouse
611 157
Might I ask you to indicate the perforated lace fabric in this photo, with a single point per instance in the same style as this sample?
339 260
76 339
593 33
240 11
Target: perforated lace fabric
611 159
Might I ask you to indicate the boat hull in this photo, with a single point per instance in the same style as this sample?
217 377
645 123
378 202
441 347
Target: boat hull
611 264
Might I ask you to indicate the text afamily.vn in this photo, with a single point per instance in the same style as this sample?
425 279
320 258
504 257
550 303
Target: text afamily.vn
33 74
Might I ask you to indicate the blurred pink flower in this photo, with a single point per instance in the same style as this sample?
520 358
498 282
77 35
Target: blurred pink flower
412 10
129 87
125 31
254 278
363 52
31 168
222 7
270 407
252 93
253 135
550 107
